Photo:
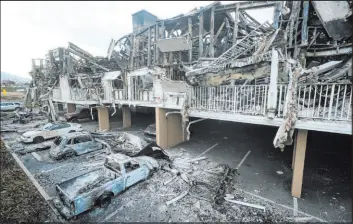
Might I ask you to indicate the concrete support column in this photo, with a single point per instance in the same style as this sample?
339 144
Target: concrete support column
71 107
272 92
60 107
298 162
103 118
126 116
169 131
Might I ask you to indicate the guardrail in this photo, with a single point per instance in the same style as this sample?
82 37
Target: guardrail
136 94
78 94
250 99
325 101
120 94
315 101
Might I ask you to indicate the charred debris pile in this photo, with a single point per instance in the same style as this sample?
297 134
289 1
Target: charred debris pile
215 46
84 72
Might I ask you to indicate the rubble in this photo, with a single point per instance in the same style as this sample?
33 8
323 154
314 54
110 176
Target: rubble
234 61
297 67
207 185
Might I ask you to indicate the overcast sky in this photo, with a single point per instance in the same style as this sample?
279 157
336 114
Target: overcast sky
30 29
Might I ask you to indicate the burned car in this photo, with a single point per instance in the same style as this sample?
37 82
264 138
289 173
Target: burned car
50 130
81 113
99 186
74 144
131 145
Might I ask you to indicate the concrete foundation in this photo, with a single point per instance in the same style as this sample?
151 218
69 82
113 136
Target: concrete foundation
126 117
71 107
298 162
103 118
169 131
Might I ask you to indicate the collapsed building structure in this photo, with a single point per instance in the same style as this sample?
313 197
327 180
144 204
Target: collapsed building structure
217 62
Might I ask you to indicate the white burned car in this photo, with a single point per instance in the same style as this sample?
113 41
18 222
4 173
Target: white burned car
50 130
74 144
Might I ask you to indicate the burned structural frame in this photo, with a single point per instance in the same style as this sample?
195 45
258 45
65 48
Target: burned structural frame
207 47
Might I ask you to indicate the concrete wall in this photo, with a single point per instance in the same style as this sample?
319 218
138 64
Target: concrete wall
65 88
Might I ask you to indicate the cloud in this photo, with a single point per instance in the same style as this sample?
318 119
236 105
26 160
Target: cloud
30 29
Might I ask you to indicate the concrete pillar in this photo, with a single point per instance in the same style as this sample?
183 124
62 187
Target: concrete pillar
126 116
169 132
272 93
103 118
295 135
60 107
299 158
71 107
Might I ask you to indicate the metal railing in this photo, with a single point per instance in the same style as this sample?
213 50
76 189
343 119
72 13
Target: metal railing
78 94
120 94
136 94
281 99
251 99
141 94
325 101
87 94
315 101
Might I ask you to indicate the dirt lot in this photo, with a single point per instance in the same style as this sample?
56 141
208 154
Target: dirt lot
20 200
12 96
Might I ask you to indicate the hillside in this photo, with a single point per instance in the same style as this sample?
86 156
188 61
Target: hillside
16 78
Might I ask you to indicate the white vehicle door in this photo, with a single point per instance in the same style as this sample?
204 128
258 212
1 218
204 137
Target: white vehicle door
52 132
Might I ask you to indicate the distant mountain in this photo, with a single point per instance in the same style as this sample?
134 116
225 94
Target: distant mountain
15 78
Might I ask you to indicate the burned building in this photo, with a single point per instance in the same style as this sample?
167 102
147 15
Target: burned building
217 62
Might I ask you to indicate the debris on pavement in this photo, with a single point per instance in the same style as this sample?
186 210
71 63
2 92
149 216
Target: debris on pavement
178 198
246 204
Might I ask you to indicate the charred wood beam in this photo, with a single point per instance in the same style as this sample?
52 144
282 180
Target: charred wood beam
293 19
149 48
170 58
219 31
277 14
154 44
244 6
132 54
200 34
212 33
80 50
248 20
236 20
304 34
162 35
88 59
325 53
156 34
190 38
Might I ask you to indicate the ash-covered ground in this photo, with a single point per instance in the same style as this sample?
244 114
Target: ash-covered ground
202 183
